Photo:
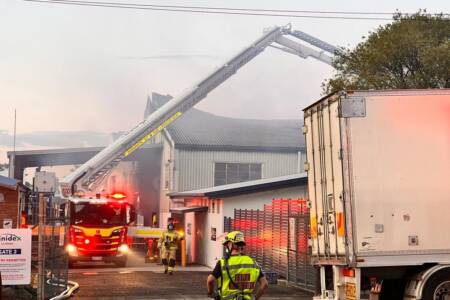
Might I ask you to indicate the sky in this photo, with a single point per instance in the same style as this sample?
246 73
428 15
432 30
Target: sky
75 74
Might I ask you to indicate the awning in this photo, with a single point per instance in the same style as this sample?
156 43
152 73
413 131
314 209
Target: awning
184 209
245 187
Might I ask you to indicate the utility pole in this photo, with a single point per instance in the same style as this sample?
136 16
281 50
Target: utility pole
15 123
12 159
41 248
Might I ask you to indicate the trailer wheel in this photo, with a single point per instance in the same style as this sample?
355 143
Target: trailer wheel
438 286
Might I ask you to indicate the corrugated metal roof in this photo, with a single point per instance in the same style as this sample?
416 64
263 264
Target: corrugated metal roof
244 187
8 183
201 128
197 128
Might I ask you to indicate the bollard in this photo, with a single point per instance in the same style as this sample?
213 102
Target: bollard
183 253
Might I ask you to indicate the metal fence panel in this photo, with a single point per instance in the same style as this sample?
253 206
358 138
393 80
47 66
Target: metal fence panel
277 237
48 218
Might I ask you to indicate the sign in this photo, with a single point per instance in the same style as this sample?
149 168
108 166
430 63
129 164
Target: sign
145 232
15 256
213 234
189 229
350 291
62 236
152 133
7 223
292 234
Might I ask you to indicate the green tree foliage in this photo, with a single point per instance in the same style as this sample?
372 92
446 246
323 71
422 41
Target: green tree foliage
411 52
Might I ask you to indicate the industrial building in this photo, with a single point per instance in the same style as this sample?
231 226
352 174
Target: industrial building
199 150
202 150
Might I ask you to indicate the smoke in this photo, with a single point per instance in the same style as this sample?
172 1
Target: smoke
55 139
173 56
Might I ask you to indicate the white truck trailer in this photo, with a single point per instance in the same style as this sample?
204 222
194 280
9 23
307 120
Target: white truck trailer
379 188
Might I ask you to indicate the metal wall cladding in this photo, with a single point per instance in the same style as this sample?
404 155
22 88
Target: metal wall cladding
277 237
194 169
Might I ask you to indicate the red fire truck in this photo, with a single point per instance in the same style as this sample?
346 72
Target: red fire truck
98 229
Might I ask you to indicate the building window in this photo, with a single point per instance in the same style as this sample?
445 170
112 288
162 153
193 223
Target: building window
2 197
226 173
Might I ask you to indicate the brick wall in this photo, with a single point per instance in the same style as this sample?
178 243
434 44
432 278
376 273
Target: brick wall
9 207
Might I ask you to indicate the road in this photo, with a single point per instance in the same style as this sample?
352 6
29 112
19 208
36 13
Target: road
140 281
147 281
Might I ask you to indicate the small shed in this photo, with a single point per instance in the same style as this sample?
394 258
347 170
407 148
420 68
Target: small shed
9 202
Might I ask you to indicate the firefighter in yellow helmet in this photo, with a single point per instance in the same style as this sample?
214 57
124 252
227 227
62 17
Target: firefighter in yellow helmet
168 243
238 275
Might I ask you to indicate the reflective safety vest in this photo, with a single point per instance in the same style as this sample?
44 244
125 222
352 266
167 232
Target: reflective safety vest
244 273
169 240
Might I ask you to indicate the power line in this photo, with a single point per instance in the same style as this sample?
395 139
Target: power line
236 9
203 11
183 8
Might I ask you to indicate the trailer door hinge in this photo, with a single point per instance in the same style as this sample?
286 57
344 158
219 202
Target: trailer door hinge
305 129
306 166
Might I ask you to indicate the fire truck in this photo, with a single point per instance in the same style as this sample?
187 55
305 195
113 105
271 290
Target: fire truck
98 229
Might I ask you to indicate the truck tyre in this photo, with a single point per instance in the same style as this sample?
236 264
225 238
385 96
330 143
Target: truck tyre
438 286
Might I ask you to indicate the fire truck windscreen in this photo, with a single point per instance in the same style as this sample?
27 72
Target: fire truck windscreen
98 215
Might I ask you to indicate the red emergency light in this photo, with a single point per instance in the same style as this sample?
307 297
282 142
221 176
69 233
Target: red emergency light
118 196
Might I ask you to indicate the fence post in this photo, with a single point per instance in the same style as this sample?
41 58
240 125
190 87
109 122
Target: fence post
41 248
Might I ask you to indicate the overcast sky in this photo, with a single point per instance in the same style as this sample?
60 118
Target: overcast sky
70 68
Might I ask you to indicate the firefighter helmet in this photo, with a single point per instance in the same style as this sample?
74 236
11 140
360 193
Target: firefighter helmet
236 237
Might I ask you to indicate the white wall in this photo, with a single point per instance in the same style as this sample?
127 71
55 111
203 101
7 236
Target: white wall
257 200
225 207
213 249
189 218
200 249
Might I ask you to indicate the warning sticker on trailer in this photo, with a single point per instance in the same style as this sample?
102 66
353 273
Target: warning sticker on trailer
350 291
313 227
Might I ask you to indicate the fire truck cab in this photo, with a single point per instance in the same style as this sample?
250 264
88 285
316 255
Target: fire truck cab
98 230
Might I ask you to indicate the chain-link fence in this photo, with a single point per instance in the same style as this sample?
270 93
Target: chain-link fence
277 237
48 218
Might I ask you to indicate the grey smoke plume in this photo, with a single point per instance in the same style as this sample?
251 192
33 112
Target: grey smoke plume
55 139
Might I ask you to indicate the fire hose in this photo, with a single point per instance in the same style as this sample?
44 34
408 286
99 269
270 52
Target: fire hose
71 287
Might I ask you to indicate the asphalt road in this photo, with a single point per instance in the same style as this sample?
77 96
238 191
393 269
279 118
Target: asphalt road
147 281
139 281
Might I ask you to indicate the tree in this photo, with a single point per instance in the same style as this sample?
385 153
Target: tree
411 52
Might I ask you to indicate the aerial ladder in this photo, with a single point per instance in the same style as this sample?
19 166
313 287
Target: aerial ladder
91 173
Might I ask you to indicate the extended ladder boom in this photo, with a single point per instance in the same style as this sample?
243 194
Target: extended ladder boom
99 166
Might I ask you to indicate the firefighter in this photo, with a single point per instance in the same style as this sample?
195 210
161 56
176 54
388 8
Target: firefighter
168 243
238 275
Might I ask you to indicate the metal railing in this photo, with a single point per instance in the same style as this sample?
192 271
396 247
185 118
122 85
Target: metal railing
277 237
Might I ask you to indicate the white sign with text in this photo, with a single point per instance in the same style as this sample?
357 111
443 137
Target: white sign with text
15 256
